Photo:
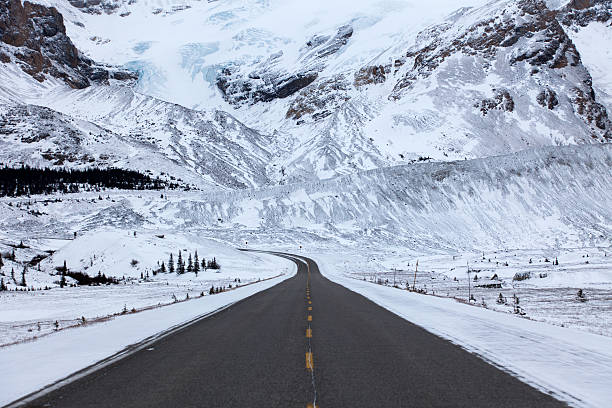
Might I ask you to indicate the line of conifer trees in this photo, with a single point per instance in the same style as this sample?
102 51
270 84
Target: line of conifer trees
26 180
193 264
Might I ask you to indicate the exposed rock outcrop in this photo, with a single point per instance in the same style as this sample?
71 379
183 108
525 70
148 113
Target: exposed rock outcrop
268 81
582 12
548 98
320 99
34 37
501 101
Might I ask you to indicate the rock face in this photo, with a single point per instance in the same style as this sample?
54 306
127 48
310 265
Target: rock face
96 6
501 101
533 20
34 37
583 12
269 80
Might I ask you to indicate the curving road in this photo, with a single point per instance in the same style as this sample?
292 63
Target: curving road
270 350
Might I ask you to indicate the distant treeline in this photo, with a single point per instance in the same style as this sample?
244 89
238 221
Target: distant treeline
28 180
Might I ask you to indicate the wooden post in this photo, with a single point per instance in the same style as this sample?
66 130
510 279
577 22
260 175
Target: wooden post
469 283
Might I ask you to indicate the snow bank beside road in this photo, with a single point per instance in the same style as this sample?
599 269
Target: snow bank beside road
574 366
28 367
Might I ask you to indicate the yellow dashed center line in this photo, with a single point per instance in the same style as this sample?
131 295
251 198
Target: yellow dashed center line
309 361
310 318
309 333
309 302
309 307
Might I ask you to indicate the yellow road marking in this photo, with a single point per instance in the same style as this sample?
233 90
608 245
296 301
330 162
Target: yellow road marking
308 333
309 302
310 318
309 361
312 406
309 307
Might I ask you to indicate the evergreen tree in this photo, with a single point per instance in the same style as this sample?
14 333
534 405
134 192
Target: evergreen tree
1 261
163 267
171 264
63 279
23 274
180 264
2 285
196 263
213 264
204 264
189 263
13 276
212 290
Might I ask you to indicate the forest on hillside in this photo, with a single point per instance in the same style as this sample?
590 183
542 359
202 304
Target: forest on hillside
25 180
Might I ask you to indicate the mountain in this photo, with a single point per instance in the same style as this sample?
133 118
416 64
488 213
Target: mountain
245 95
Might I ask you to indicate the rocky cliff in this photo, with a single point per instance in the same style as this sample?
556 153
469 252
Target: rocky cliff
34 37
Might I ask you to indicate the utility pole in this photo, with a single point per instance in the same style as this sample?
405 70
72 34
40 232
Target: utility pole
415 272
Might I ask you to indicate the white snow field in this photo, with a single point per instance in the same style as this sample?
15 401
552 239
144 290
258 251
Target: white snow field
572 365
30 366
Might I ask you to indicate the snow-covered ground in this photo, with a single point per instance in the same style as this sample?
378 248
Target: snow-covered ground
32 311
571 364
546 292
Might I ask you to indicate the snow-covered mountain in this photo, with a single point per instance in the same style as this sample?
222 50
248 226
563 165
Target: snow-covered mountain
246 94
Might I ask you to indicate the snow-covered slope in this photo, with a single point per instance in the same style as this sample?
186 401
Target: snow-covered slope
541 198
530 198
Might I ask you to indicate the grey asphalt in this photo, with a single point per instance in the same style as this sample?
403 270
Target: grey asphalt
253 354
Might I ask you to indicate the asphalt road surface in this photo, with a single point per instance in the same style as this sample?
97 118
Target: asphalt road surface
271 350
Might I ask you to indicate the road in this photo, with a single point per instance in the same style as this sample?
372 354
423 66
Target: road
303 342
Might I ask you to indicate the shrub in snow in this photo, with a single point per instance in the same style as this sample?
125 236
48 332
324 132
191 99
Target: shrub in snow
213 264
520 276
580 296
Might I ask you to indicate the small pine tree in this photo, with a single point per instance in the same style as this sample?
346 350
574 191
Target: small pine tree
163 267
180 265
13 276
204 264
171 264
189 263
63 279
212 290
1 261
23 276
196 263
2 285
